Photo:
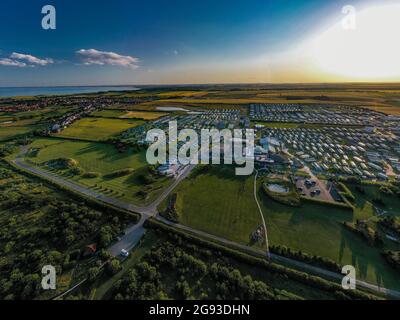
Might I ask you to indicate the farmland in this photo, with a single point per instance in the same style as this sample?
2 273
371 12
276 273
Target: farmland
9 132
143 115
102 160
97 129
378 97
125 114
10 128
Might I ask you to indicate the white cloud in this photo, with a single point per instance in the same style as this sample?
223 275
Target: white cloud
31 59
93 56
24 60
11 63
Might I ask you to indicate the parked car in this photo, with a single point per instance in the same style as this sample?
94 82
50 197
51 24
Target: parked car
124 253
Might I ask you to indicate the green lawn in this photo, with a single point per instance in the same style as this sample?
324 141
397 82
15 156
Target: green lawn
108 113
392 203
16 128
10 132
97 129
123 114
221 203
103 159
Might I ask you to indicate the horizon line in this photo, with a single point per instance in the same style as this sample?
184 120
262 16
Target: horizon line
209 83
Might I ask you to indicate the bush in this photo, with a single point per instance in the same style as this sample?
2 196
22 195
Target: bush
113 267
119 173
93 273
171 212
7 150
62 163
346 205
146 179
393 258
75 171
90 175
345 192
386 190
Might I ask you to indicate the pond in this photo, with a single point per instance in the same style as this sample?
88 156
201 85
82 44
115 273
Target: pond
277 188
171 109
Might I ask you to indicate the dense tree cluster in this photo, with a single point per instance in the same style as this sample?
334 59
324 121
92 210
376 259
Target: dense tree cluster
392 257
168 271
390 223
39 227
11 147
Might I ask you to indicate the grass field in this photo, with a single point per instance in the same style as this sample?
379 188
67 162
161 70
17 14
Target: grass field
16 128
229 210
143 115
97 129
123 114
10 132
108 113
183 94
102 159
43 112
392 203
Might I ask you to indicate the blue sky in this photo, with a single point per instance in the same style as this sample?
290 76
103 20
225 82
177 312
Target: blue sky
153 41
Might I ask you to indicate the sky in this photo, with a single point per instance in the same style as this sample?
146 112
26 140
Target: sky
123 42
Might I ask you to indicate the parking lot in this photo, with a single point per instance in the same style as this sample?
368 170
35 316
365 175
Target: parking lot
313 188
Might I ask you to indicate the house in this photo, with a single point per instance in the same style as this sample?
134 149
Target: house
56 128
90 250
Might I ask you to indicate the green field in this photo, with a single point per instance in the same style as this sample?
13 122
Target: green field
143 115
222 204
363 201
227 211
123 114
7 133
97 129
16 128
103 159
108 113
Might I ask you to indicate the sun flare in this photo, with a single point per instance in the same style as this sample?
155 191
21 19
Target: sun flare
370 51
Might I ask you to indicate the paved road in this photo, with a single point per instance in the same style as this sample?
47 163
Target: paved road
130 239
134 233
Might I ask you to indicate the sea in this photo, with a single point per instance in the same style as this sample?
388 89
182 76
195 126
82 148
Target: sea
36 91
